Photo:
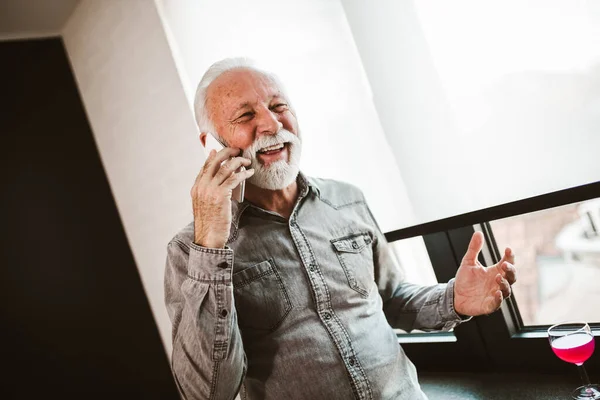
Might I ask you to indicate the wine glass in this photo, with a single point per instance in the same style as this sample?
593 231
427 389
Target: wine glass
573 342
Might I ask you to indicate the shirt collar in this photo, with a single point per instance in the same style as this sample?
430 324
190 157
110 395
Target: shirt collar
305 185
308 183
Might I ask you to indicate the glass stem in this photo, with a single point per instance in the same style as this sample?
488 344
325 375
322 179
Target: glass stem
584 375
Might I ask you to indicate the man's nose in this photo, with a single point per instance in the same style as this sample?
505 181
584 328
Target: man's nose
268 122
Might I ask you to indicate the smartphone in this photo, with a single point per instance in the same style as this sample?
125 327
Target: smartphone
213 143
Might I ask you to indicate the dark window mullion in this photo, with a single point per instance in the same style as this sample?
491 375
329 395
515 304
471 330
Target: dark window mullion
510 309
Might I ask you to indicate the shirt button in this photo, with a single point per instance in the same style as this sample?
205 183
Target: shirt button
327 316
312 268
224 313
352 361
354 245
223 265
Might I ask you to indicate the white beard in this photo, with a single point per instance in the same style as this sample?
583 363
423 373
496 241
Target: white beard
279 174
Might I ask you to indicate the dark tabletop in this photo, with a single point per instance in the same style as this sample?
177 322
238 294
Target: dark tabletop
496 386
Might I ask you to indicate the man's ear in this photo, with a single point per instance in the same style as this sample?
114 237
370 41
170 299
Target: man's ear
203 138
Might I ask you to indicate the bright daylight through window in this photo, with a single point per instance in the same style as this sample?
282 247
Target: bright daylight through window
559 262
522 80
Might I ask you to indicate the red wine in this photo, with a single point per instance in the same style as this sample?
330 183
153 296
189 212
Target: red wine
575 348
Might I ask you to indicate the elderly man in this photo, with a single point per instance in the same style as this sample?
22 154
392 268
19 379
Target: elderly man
290 294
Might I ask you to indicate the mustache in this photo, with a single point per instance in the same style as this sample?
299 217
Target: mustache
283 136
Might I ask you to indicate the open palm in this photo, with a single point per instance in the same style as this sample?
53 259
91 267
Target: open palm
480 290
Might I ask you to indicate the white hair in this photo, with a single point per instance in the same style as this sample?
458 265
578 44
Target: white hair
203 118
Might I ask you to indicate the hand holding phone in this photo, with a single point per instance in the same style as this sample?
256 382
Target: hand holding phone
212 195
212 143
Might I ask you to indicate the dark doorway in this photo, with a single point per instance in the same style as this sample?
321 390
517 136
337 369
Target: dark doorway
74 317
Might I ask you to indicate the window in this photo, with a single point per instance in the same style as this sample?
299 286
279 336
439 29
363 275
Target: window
554 236
520 79
483 102
412 255
559 262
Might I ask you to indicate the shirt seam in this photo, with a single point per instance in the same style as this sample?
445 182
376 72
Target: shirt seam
215 378
340 206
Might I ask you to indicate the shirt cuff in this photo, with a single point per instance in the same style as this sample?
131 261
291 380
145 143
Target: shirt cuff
210 265
449 315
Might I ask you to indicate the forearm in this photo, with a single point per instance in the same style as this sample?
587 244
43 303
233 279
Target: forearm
208 358
422 307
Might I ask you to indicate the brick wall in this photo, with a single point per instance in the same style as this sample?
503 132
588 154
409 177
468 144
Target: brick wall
530 236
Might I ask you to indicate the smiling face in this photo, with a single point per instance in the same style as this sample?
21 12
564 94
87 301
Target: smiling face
250 112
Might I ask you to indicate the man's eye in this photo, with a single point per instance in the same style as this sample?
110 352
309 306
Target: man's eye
280 107
246 116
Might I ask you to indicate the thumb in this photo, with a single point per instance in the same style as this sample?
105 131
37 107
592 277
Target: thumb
475 247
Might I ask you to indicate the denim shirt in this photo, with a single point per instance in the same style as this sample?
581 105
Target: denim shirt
297 308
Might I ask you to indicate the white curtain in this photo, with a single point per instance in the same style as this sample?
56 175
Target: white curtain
484 102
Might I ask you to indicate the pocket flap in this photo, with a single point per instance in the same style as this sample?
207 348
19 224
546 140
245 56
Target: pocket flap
252 273
352 244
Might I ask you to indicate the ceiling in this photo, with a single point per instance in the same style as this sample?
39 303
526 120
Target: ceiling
21 19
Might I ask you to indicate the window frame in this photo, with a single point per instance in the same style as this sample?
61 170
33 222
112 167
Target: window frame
500 340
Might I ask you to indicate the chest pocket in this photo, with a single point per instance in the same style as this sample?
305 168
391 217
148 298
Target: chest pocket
356 258
261 300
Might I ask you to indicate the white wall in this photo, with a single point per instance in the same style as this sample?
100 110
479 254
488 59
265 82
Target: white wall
309 45
143 127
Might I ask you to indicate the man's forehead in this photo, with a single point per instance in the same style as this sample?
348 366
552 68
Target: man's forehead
240 83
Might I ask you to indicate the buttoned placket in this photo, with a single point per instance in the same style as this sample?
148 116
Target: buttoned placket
330 320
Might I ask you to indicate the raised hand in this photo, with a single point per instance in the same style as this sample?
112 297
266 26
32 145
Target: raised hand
480 290
211 196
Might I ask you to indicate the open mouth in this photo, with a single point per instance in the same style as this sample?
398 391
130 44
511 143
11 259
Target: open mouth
271 154
272 149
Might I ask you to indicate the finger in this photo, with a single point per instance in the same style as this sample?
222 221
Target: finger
510 272
234 180
209 158
504 286
497 302
492 302
509 256
212 165
475 247
202 172
230 167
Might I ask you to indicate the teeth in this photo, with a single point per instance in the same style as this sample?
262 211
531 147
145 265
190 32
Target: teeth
275 147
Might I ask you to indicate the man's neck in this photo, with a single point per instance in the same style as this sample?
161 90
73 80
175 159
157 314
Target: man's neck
280 201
